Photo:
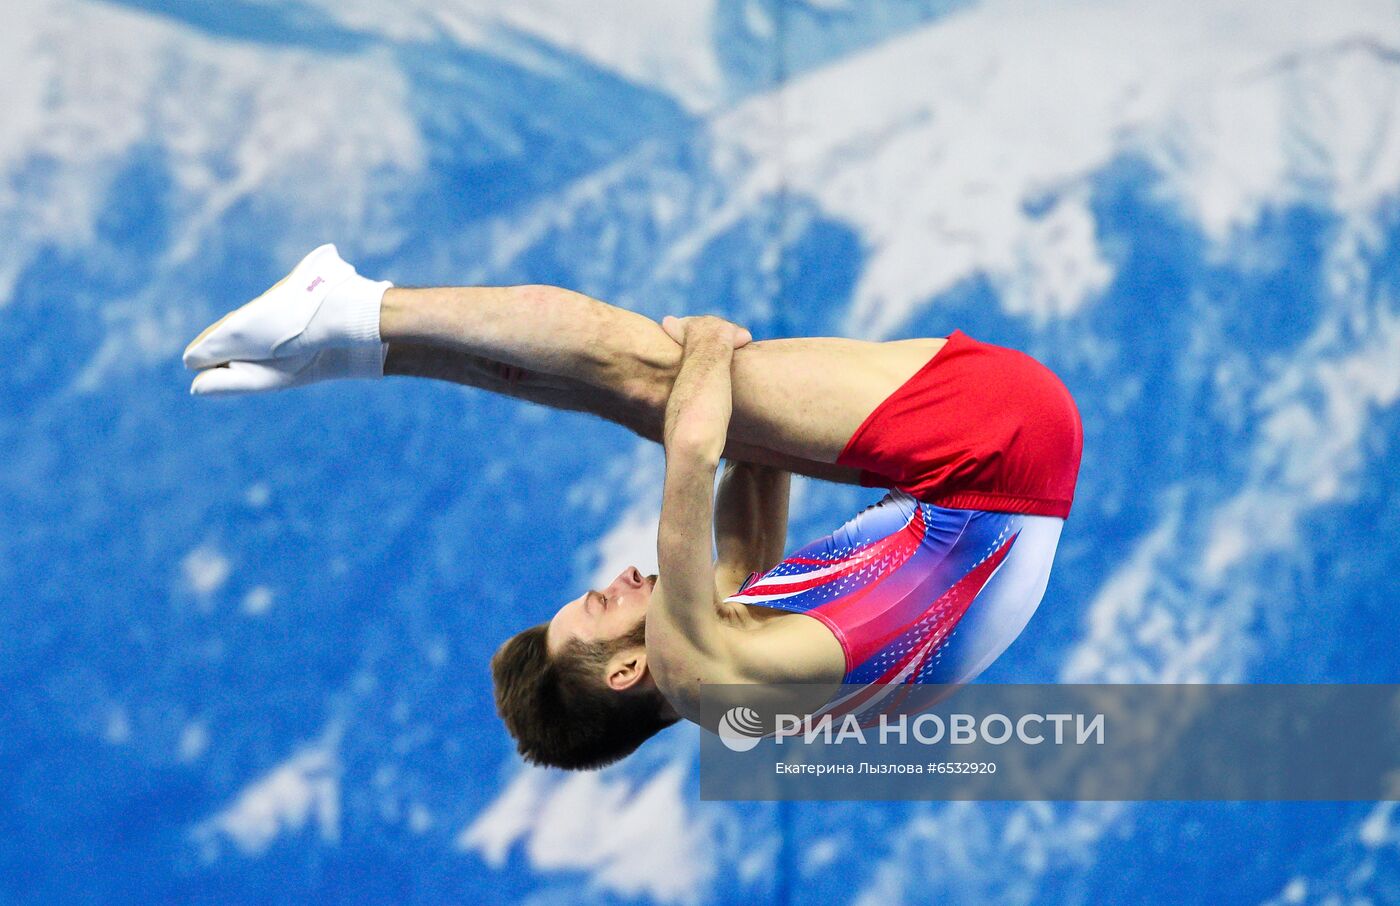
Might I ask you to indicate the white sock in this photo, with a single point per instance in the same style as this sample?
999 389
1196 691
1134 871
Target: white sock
349 316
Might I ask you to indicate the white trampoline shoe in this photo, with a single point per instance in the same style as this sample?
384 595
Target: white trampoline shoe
335 363
322 304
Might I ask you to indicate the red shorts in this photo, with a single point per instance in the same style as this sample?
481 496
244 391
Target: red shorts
979 427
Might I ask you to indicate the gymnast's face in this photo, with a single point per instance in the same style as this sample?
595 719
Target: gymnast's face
604 614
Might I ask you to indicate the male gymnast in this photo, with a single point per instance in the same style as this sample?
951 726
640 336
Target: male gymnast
978 445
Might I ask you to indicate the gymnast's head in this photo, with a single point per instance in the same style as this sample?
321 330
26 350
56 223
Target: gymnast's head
576 692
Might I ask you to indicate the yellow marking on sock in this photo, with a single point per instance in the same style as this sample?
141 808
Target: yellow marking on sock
212 327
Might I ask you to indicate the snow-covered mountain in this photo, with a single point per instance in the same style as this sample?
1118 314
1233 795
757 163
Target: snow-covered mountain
246 639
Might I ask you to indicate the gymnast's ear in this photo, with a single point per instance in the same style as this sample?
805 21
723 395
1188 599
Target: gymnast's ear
626 669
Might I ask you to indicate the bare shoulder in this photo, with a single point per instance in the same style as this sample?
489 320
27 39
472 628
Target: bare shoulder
766 674
787 648
679 661
786 658
691 681
701 692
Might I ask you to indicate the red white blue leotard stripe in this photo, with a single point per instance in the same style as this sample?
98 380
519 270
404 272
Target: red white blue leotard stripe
894 583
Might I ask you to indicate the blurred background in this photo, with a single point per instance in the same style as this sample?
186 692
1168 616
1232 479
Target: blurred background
243 642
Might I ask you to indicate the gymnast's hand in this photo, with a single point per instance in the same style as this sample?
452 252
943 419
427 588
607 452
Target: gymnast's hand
678 328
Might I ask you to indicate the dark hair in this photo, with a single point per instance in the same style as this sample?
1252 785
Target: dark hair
560 711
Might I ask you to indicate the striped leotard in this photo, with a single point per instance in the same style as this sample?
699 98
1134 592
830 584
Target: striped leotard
981 449
896 586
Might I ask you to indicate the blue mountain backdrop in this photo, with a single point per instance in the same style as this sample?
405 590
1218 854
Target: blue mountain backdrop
244 642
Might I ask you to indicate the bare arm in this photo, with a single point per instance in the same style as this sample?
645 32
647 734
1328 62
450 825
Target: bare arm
751 515
684 618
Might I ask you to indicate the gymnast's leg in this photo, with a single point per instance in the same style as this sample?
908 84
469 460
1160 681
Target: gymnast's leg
644 418
801 398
